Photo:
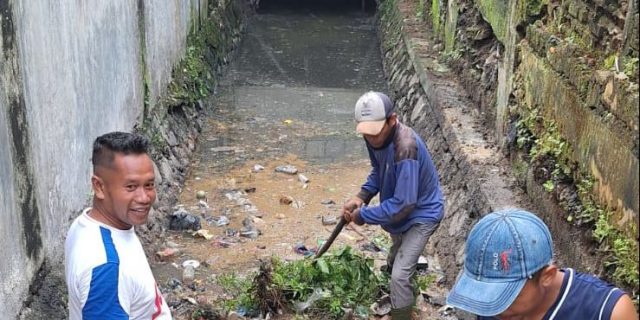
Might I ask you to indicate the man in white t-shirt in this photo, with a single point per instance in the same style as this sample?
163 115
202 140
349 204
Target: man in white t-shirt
108 275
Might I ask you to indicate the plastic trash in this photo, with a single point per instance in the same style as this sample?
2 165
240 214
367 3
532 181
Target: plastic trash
288 169
302 178
222 221
303 250
182 220
329 220
188 275
317 294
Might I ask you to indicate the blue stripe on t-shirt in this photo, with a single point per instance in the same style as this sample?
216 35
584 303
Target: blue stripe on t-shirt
102 302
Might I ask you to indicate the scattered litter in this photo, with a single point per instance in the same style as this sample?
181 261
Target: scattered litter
182 220
261 246
203 204
329 220
286 200
370 247
221 243
445 310
288 169
172 244
250 233
303 250
230 232
191 300
382 306
317 294
302 178
194 263
203 233
328 202
258 221
288 121
257 168
201 195
422 263
222 221
174 283
167 253
280 216
188 274
250 190
297 204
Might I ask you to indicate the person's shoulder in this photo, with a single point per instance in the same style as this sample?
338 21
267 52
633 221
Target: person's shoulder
406 146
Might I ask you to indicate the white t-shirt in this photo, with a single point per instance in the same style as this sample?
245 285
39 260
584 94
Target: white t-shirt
108 275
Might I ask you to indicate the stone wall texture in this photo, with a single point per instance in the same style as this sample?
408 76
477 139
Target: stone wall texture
556 84
70 71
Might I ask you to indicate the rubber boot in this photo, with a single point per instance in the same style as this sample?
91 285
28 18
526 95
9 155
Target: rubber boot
401 314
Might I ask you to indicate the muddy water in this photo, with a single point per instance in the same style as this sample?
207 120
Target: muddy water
287 99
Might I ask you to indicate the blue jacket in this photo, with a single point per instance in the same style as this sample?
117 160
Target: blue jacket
404 176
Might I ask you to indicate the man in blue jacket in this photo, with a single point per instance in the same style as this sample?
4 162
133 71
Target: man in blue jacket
411 202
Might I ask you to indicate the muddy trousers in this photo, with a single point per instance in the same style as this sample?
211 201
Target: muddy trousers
403 257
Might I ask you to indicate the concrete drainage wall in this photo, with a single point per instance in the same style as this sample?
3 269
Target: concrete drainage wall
475 174
68 73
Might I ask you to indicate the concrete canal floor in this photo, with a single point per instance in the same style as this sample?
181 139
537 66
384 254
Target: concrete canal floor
286 99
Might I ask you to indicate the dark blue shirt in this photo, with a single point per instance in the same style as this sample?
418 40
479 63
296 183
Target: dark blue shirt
582 297
404 176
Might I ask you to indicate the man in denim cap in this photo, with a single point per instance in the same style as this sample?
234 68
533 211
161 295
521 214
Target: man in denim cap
411 202
509 274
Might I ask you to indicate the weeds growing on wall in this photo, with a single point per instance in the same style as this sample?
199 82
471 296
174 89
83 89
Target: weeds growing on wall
548 146
391 17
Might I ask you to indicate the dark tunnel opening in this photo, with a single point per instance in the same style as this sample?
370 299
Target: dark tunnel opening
315 6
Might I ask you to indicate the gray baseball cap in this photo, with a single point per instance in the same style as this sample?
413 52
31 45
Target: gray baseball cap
372 110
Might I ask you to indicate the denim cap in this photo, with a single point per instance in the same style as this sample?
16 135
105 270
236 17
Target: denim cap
503 250
371 112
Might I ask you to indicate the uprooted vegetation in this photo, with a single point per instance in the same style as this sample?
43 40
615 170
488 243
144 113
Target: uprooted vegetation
341 283
328 287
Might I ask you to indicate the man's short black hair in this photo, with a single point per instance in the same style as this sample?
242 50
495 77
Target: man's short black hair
107 145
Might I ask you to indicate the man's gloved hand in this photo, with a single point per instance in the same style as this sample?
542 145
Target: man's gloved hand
354 216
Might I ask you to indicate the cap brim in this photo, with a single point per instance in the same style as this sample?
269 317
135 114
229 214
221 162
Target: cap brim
483 298
370 127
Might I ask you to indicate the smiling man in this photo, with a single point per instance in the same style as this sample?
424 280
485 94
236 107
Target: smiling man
107 273
411 202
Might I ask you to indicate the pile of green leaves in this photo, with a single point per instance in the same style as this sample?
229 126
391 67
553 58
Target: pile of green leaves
346 278
324 288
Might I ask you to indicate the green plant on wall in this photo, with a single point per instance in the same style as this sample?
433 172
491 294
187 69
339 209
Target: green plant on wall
391 17
420 9
621 250
435 15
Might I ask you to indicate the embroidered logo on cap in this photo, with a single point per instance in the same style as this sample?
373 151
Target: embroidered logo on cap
504 259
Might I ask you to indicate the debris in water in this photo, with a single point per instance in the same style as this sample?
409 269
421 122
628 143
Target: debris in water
302 178
382 306
167 253
329 220
288 169
183 220
203 233
286 200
